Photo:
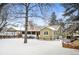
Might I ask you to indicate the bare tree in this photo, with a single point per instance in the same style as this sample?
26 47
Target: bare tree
3 16
29 10
41 7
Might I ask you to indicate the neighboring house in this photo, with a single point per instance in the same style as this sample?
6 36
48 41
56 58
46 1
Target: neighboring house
10 32
33 30
70 30
50 32
72 27
73 30
15 31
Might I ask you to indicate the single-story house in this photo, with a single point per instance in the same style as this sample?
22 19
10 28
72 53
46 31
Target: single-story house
32 32
50 32
68 32
10 32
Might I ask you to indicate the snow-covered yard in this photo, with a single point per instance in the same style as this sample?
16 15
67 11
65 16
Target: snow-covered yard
16 46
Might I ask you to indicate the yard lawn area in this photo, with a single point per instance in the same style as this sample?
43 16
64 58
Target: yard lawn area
15 46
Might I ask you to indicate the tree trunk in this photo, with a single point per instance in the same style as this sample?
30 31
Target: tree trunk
26 23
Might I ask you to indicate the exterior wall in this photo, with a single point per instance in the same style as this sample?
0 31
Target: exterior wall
50 35
58 33
8 34
66 34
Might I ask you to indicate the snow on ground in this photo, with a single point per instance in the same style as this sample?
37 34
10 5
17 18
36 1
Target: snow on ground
16 46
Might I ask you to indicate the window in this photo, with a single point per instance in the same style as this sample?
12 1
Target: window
28 32
33 33
46 33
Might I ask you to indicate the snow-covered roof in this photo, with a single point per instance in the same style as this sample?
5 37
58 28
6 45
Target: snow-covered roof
35 28
17 28
53 27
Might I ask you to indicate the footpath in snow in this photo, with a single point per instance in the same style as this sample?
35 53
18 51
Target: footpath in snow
16 46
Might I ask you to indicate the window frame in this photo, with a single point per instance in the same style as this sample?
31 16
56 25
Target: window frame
45 33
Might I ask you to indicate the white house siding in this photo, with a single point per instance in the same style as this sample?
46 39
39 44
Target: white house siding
8 34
